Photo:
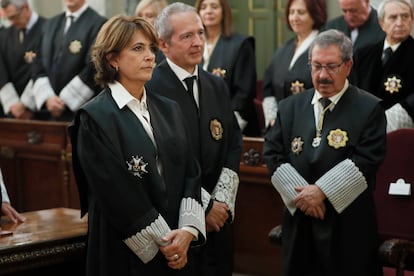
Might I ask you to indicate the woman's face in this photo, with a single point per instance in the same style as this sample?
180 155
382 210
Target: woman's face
136 61
211 13
300 19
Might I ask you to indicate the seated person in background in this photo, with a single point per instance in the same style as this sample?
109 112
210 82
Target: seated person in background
288 73
6 208
231 56
359 22
149 9
385 69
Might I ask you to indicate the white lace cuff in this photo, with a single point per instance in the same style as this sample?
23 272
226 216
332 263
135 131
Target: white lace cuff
192 214
342 184
42 90
269 105
145 244
285 179
8 96
76 93
397 117
27 97
226 189
205 198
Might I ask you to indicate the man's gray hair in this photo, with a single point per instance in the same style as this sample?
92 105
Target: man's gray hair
16 3
162 22
333 37
381 7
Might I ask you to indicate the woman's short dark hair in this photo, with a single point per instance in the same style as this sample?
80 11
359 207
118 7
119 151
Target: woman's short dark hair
317 10
227 22
114 36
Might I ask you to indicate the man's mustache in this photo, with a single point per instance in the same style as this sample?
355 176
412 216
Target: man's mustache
325 81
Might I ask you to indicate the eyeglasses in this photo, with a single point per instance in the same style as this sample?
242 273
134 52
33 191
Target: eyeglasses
330 68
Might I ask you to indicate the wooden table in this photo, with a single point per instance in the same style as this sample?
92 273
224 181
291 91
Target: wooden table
50 242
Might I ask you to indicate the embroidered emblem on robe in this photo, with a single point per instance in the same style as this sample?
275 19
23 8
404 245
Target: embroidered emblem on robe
219 72
29 57
296 145
297 87
75 46
137 166
392 85
216 129
337 138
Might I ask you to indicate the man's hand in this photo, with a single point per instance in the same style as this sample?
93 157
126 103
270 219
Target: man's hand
176 251
19 111
55 106
11 213
217 216
310 201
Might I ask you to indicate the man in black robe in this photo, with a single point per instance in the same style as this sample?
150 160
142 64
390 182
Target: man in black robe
323 153
17 54
216 136
64 73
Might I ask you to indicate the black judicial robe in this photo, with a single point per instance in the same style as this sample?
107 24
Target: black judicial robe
369 33
279 81
120 204
213 154
62 57
392 82
18 57
236 55
343 243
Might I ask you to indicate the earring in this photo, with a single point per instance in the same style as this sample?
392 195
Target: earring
116 68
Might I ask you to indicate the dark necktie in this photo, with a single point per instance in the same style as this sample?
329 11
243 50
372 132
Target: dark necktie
69 22
325 102
386 55
190 84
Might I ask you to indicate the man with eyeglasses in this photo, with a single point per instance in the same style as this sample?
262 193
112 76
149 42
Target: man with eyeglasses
359 22
18 50
323 153
390 76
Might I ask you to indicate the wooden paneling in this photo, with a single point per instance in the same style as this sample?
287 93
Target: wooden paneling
258 210
33 158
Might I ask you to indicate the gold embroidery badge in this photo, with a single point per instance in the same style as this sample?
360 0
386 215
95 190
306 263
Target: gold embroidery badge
296 145
392 85
337 138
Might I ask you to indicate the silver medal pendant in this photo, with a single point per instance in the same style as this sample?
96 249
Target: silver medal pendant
316 142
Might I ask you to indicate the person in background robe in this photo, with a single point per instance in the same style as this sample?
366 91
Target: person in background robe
137 177
18 51
288 72
231 56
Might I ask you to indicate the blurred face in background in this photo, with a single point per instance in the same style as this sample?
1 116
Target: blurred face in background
300 20
356 12
18 17
211 13
397 22
73 5
149 13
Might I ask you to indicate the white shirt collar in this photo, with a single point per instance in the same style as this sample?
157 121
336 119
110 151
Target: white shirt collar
180 72
393 47
33 19
303 47
334 98
122 97
77 13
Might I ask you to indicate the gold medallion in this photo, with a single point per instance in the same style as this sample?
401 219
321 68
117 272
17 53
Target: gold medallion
219 72
297 87
337 138
29 57
75 46
296 145
392 85
216 129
